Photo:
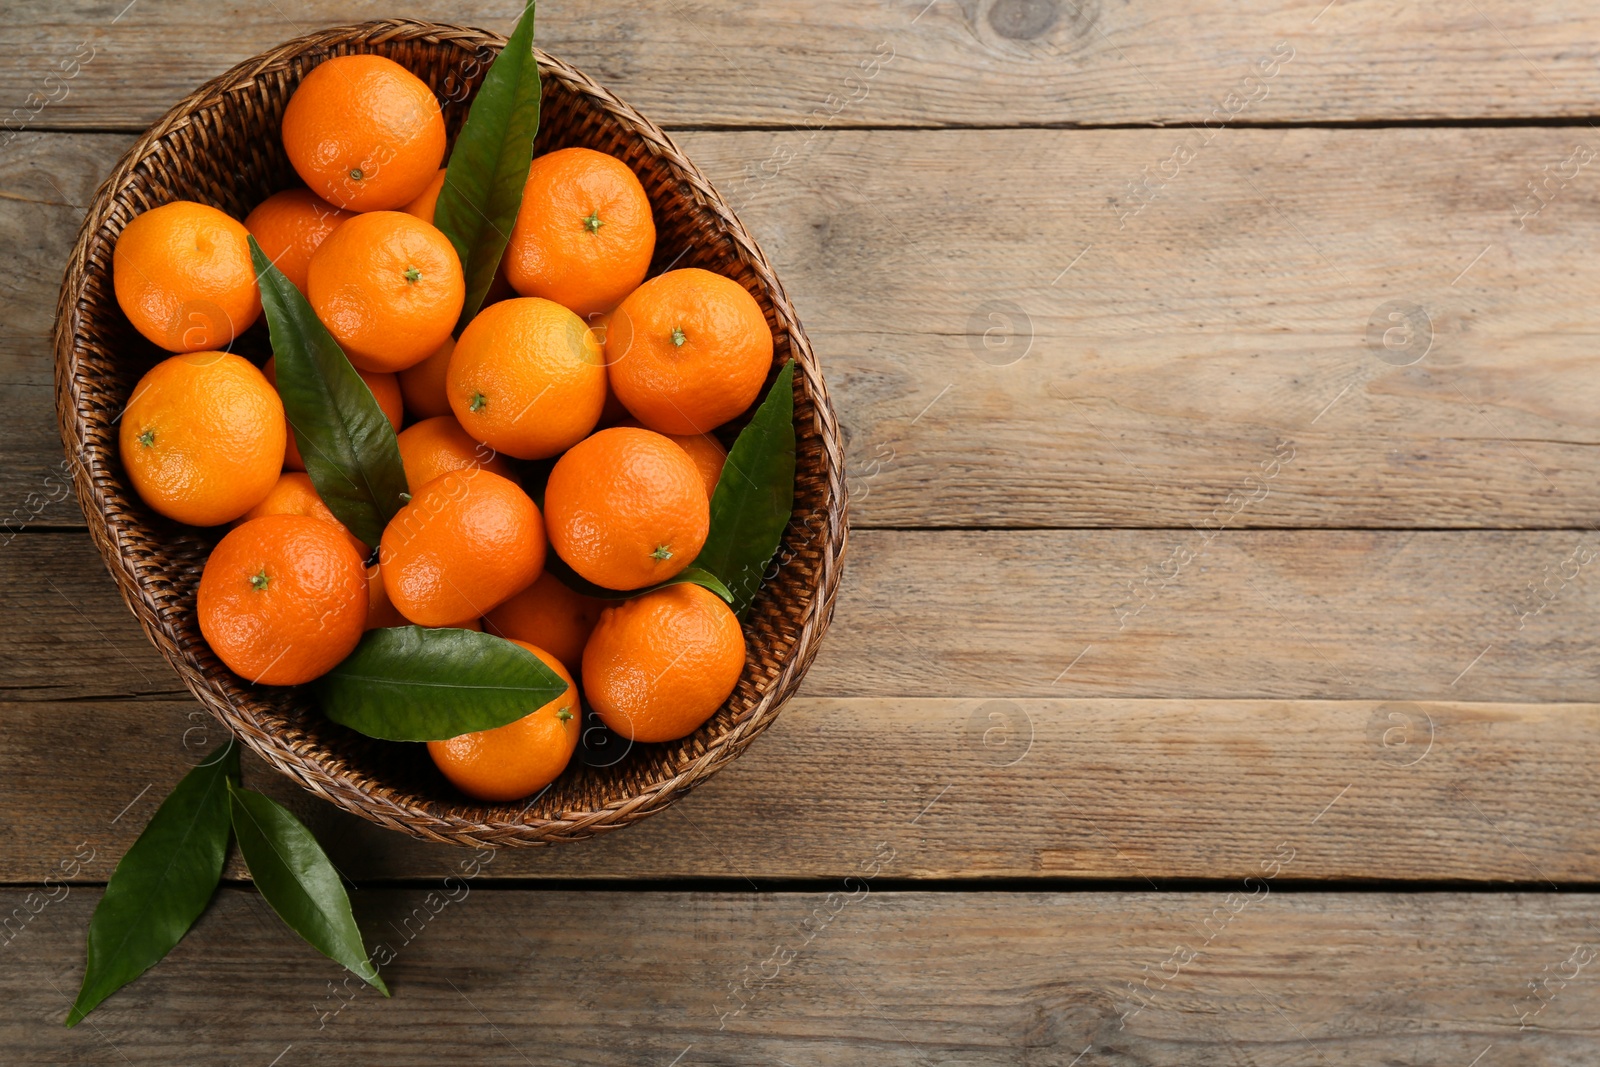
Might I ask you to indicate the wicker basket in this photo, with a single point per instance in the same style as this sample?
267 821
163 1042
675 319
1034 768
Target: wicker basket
221 146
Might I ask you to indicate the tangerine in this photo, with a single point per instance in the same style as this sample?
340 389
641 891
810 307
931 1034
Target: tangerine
423 384
364 133
659 665
687 351
526 378
289 226
465 542
521 757
626 508
388 287
550 615
182 274
584 234
708 454
295 495
422 206
381 612
434 446
283 599
202 437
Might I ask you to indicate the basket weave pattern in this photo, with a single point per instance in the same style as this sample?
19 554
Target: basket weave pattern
221 146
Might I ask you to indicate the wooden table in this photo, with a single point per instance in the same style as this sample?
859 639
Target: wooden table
1210 678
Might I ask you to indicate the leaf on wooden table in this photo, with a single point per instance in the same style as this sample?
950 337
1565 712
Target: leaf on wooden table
349 447
755 496
409 683
162 884
489 165
295 876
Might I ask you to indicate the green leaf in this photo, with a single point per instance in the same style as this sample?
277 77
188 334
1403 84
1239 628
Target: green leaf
345 438
754 497
578 584
163 883
408 683
489 164
295 876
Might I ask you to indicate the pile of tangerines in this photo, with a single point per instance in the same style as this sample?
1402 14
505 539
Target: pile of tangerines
575 358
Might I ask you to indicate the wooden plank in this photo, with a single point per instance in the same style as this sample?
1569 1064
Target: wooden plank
966 788
859 976
789 63
1207 364
1308 614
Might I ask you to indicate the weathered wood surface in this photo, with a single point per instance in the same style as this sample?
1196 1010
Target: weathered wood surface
957 62
1212 362
1326 614
963 788
1182 332
858 976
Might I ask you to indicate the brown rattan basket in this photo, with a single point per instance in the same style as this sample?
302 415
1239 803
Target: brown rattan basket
221 146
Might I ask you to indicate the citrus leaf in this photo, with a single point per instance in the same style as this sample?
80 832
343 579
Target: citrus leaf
162 884
579 584
754 497
346 440
295 876
408 683
488 166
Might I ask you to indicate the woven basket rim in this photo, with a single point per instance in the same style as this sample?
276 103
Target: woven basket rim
93 482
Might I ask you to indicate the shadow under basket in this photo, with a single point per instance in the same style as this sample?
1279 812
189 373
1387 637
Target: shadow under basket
221 146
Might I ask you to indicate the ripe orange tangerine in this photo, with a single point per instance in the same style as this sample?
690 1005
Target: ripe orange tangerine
687 351
389 288
436 446
423 384
283 599
708 454
467 540
521 757
584 234
380 612
526 378
659 665
364 133
202 437
422 206
295 495
289 226
182 274
550 615
626 508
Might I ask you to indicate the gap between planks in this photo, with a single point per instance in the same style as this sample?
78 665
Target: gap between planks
856 976
1005 790
1194 353
904 62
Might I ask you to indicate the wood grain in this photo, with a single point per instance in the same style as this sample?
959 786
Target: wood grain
858 976
1134 790
1309 614
1207 364
957 62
